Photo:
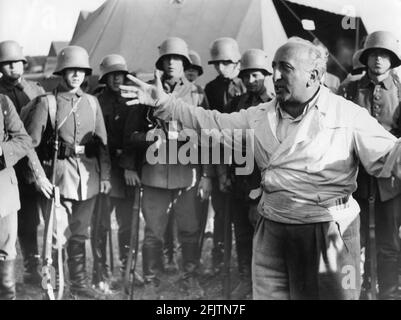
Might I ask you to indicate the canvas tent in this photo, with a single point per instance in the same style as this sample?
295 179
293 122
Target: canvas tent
55 48
135 28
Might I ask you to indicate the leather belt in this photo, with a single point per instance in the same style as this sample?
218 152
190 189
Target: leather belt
337 202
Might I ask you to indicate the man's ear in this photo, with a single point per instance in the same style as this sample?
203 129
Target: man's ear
313 77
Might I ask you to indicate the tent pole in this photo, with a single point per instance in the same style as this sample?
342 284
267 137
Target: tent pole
357 34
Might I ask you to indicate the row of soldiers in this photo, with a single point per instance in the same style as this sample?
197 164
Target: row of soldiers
103 147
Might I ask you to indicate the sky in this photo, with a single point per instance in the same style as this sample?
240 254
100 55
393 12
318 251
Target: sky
35 23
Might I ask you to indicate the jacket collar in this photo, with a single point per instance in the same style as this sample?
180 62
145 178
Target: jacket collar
63 91
9 86
365 82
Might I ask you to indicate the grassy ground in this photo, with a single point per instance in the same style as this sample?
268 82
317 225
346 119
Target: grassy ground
169 288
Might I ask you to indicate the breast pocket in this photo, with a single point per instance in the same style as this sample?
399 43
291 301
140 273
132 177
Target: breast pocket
329 149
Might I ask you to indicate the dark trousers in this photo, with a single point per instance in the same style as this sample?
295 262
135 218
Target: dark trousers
388 243
157 206
218 199
306 261
28 220
123 208
243 231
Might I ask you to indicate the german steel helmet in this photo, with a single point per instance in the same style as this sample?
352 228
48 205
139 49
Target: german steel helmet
356 64
73 57
112 63
173 46
224 49
254 59
196 61
11 51
381 40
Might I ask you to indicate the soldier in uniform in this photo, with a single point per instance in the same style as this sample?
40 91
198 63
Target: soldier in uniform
83 165
195 70
169 188
113 69
15 144
225 57
20 92
245 189
377 92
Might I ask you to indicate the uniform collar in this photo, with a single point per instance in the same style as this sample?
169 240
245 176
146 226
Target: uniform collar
63 91
9 86
365 82
180 82
263 95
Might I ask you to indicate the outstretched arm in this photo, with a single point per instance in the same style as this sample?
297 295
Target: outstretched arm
169 108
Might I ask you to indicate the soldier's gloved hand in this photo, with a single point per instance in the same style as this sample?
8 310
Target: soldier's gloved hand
205 188
44 185
131 178
105 186
144 93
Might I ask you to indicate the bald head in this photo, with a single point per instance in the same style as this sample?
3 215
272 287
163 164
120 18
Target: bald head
298 67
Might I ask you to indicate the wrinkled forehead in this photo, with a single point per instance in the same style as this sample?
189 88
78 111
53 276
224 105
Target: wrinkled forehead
293 53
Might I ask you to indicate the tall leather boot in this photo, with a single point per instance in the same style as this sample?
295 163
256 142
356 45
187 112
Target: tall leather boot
80 289
151 260
190 258
100 274
217 260
387 274
7 279
124 244
244 287
169 248
30 253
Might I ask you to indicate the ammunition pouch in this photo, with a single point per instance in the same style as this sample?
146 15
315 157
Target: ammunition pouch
92 147
67 150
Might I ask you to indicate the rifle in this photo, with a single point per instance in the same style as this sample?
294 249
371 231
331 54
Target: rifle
95 241
204 208
133 247
110 235
227 247
371 242
48 271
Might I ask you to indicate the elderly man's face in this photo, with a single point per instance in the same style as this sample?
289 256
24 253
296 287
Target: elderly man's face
291 72
379 61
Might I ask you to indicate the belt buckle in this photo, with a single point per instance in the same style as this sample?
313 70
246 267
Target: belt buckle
79 149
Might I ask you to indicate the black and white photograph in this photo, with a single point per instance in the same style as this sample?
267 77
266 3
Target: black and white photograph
182 151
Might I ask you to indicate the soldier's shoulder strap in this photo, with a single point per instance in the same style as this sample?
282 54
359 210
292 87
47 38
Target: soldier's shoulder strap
33 89
30 105
52 105
93 105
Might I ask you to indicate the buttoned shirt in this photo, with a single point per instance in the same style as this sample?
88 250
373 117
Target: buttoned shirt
314 165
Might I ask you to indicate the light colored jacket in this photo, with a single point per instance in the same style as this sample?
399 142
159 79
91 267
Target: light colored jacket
313 166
